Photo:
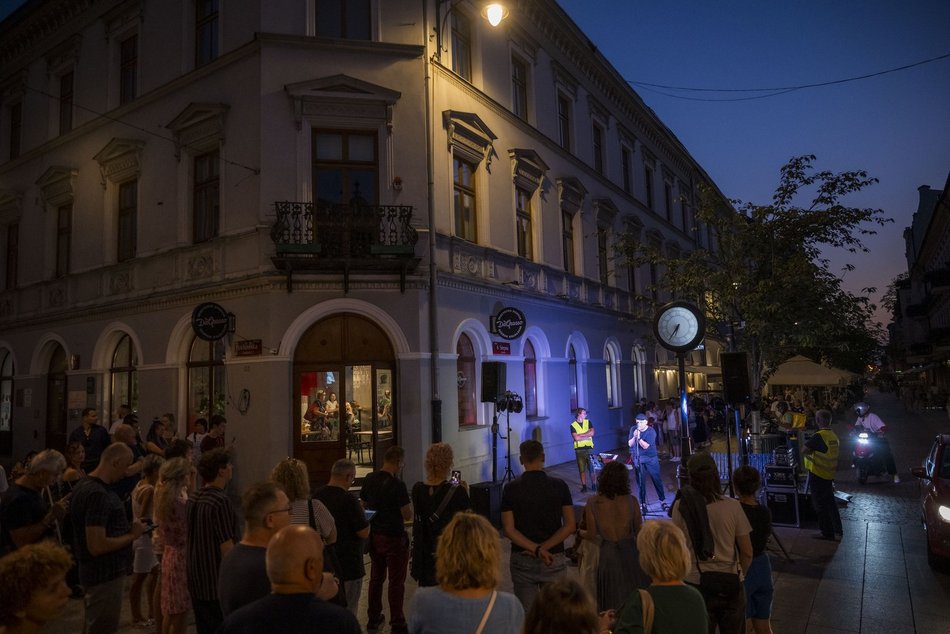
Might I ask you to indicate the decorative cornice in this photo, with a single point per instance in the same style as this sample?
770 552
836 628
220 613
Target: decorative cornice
357 98
468 135
198 127
527 168
120 160
63 54
38 28
571 193
56 185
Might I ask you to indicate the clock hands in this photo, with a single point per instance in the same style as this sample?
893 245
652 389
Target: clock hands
675 330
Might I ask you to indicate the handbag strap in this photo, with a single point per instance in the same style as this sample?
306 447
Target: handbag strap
445 502
491 604
646 600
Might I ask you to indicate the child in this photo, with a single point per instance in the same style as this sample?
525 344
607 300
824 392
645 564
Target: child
758 578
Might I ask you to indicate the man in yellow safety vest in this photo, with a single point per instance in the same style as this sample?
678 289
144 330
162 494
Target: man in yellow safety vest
821 460
583 433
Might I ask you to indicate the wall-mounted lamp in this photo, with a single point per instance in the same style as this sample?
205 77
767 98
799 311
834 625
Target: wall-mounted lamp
494 12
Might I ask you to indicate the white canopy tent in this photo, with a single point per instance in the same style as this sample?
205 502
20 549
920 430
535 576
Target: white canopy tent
802 371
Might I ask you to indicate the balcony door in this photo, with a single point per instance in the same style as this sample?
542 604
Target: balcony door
344 395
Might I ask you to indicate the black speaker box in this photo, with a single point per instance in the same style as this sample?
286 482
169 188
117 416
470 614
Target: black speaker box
493 381
736 385
784 507
486 501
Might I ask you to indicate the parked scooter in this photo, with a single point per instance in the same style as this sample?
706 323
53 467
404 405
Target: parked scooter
866 455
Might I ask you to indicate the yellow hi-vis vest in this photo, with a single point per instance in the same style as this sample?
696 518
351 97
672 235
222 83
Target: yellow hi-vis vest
580 428
824 465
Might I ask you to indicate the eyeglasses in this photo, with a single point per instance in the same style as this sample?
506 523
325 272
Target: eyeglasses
286 510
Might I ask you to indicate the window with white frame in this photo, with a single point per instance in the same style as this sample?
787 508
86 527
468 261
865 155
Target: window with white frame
598 135
567 240
648 186
523 218
461 45
206 31
463 177
626 166
345 167
668 199
128 68
530 379
207 194
602 255
528 172
572 376
127 221
206 379
519 87
123 375
612 370
344 19
466 380
564 122
64 233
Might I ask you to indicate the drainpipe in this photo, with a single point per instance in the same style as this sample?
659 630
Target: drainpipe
436 400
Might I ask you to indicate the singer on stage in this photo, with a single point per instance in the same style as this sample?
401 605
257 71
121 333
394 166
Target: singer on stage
642 443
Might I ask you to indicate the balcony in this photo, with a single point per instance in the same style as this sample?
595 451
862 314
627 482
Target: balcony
343 239
921 308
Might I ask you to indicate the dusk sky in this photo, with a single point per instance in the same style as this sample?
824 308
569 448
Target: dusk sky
895 126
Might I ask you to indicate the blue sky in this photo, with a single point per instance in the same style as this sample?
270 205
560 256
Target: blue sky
895 126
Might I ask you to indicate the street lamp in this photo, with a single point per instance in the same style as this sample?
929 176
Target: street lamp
493 12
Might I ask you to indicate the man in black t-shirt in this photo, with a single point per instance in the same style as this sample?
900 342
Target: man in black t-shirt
351 529
386 494
25 518
537 513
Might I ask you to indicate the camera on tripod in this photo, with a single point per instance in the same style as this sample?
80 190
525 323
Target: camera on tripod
509 402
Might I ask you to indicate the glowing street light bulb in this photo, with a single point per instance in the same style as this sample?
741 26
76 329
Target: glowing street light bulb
495 13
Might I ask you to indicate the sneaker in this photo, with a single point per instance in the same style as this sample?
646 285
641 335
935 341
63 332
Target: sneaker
897 479
375 623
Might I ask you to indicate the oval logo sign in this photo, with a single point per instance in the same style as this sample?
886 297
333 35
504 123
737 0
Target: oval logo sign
209 321
510 323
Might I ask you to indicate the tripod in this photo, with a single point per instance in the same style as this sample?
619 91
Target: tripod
507 403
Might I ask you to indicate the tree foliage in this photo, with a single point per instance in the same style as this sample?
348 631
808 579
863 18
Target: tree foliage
766 280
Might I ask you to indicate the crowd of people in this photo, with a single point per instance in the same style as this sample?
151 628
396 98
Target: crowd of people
153 522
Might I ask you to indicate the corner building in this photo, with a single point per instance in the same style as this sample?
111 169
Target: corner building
361 186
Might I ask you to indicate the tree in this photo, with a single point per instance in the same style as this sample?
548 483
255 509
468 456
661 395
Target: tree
764 283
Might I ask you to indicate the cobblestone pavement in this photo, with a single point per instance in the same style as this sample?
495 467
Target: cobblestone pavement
876 579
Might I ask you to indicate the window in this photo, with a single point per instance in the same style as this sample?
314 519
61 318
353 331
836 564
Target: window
685 213
465 379
16 128
530 379
464 176
648 186
564 122
344 19
523 213
626 165
64 231
519 88
124 376
572 376
206 31
653 290
12 255
598 142
66 102
206 197
632 278
612 368
602 255
6 401
567 241
128 202
206 379
668 200
345 167
128 68
461 45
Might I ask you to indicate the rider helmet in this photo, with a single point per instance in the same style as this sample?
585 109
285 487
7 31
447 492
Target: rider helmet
862 409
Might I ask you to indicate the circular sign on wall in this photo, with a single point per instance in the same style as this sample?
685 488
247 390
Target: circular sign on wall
210 321
510 323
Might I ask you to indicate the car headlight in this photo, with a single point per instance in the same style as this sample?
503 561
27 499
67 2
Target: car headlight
944 512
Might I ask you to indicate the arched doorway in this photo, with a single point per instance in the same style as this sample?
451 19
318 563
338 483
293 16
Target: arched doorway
56 414
344 394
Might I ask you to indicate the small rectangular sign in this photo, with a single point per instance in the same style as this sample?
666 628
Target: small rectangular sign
500 347
248 348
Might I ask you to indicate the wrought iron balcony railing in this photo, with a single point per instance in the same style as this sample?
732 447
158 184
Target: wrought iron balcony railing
343 238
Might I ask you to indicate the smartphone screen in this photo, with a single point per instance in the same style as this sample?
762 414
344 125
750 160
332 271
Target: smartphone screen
456 477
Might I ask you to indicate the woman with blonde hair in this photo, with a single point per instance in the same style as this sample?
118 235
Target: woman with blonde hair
669 604
292 476
175 480
468 561
434 501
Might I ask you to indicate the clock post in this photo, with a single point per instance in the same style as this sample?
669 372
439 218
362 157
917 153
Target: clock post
684 412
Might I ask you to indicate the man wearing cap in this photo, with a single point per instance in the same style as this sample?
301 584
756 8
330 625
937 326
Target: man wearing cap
642 442
821 460
583 433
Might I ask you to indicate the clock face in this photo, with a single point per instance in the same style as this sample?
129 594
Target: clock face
679 326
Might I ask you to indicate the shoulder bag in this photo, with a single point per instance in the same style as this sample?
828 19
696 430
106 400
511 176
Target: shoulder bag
646 603
491 604
331 563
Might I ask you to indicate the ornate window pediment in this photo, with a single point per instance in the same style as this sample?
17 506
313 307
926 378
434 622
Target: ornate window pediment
597 110
342 97
64 53
527 169
469 136
571 193
120 160
57 185
199 127
634 228
121 16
